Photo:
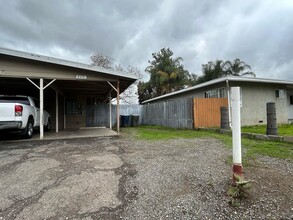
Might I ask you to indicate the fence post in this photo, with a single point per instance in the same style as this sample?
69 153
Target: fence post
272 128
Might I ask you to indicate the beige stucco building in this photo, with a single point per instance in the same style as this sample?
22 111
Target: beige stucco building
256 92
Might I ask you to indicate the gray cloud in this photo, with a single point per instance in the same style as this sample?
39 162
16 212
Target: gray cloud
258 32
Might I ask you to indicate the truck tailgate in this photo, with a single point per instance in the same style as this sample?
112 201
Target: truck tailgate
7 112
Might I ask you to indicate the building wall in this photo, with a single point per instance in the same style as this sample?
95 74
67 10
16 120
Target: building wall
50 106
254 99
74 121
290 105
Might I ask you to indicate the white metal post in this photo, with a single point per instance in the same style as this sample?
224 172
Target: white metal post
57 113
118 109
110 111
41 108
41 88
64 115
236 130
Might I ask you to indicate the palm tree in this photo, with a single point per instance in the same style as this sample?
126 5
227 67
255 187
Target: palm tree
237 68
167 74
212 70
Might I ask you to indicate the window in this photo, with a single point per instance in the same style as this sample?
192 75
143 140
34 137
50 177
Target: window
280 93
291 99
73 108
215 93
221 93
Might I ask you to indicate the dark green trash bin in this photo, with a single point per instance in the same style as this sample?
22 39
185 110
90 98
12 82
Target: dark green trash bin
134 120
125 120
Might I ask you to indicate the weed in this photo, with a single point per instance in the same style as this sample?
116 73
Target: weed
238 190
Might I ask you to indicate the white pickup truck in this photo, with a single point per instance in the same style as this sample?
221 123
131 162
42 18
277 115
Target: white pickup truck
21 113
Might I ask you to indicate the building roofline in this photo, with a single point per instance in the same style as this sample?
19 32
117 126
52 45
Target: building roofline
61 62
219 80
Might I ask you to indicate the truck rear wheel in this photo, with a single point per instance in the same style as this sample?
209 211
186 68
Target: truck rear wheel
29 130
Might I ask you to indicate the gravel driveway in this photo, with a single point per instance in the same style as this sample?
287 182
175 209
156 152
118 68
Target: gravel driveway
123 178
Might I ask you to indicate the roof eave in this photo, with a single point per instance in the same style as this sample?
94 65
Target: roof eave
219 80
61 62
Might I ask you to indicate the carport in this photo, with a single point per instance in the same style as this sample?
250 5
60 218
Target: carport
64 87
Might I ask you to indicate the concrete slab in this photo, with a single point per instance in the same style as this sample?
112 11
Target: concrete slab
65 134
77 133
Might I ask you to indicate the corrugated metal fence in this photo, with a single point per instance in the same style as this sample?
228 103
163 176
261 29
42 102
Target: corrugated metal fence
99 115
174 114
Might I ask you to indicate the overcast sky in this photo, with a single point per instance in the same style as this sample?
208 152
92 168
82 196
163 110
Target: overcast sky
259 32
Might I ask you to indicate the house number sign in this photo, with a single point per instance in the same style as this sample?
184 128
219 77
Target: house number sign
81 77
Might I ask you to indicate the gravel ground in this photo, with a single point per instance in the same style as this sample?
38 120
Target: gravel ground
124 178
189 179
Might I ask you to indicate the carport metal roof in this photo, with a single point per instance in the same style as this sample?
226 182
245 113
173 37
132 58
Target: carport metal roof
71 77
65 77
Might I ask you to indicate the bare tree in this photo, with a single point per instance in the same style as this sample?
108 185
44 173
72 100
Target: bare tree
130 95
98 59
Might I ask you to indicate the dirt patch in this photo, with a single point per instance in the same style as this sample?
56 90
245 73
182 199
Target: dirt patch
271 188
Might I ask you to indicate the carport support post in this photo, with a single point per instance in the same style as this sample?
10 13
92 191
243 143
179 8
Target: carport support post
110 111
64 113
57 113
236 132
118 109
41 108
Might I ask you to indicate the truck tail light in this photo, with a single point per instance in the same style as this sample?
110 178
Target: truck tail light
18 110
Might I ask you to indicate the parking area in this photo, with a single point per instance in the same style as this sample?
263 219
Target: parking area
59 178
125 178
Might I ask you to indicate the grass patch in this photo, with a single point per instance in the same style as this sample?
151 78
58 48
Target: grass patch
161 133
156 133
252 148
268 148
283 129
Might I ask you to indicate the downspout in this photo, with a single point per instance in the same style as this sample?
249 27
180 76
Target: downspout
229 102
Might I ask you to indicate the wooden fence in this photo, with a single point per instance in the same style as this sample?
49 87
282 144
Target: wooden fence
207 111
99 115
174 114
